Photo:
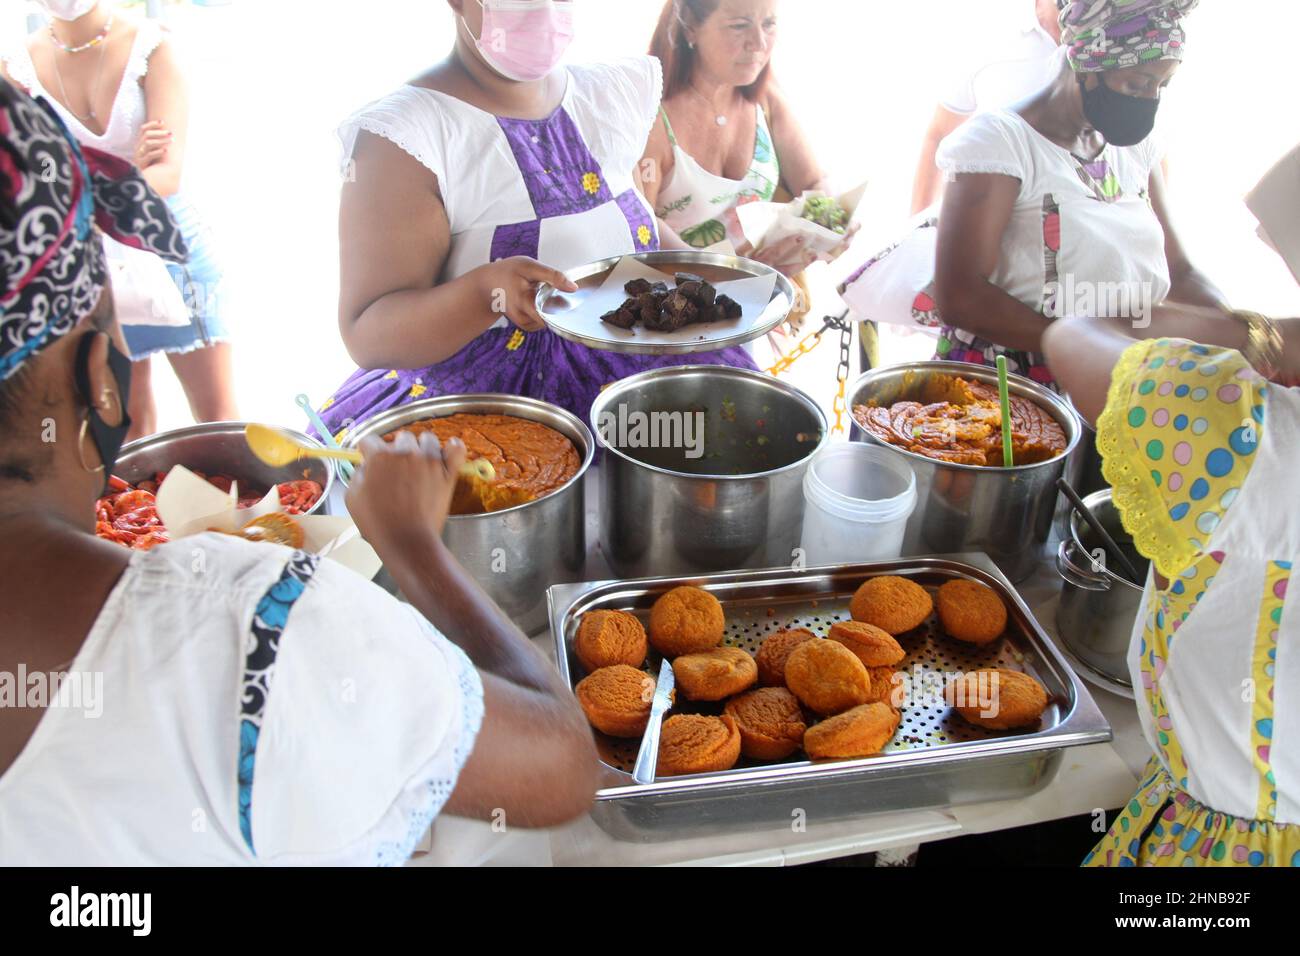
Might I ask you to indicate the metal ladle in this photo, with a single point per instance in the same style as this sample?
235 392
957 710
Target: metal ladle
1102 534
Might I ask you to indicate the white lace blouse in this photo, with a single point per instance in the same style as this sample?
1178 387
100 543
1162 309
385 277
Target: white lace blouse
1080 232
123 130
560 189
254 706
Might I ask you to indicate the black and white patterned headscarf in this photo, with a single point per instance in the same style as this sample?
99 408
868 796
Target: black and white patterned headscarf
55 199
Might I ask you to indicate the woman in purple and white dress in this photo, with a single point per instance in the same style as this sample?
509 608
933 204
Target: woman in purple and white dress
460 185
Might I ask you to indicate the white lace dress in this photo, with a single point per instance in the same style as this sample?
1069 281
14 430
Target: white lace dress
242 704
200 280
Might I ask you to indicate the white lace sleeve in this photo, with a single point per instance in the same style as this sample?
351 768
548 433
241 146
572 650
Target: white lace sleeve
648 90
368 723
617 104
989 143
407 119
150 34
412 813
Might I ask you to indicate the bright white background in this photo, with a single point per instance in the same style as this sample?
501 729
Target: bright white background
272 78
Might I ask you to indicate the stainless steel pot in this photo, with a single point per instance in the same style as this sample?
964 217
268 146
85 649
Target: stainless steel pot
738 505
1004 512
219 448
1098 607
515 554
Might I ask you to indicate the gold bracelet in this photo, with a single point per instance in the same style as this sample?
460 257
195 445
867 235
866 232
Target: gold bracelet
1264 342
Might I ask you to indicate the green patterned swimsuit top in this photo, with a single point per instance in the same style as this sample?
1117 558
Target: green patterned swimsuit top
694 202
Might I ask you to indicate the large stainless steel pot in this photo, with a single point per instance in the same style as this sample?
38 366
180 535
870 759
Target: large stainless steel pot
219 448
1004 512
515 554
737 506
1098 607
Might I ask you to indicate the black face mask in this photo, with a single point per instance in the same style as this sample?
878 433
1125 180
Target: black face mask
108 438
1122 119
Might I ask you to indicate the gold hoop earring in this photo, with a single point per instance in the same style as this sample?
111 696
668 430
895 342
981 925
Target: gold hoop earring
81 447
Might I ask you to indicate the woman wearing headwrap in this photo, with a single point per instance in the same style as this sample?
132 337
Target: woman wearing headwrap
232 682
1057 205
496 170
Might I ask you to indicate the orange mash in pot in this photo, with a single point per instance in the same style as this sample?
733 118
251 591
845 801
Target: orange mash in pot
531 459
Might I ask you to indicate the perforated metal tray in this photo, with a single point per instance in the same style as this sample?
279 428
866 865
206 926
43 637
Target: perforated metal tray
935 759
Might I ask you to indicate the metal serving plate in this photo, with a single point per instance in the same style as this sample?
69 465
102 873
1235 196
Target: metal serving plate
935 760
712 266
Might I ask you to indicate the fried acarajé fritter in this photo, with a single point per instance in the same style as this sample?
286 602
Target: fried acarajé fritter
617 700
771 723
971 612
691 743
606 638
775 651
859 732
997 698
827 677
873 646
686 620
893 604
714 674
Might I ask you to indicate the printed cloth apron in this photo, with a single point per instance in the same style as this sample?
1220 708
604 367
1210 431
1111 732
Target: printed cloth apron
700 205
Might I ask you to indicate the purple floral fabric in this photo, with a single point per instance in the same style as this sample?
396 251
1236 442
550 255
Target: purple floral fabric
559 171
539 365
517 239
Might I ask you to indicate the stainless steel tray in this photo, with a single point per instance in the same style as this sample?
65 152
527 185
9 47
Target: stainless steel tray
935 760
713 266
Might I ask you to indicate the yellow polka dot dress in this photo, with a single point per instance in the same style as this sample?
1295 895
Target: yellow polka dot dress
1202 455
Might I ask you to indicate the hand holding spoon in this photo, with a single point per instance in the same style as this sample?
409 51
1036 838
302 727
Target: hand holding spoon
278 449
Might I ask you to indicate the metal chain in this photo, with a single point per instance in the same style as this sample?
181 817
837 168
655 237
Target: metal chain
808 343
842 374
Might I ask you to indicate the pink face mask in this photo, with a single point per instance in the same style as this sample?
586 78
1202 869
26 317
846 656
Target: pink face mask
524 40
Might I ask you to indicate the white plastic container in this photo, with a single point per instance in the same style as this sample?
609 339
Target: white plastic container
858 499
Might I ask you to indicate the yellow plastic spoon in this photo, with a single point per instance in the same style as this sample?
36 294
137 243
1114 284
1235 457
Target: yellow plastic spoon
279 449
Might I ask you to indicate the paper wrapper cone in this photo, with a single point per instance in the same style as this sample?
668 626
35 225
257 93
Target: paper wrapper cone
189 505
766 223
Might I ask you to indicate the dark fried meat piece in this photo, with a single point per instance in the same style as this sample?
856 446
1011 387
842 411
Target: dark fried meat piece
622 318
730 307
661 309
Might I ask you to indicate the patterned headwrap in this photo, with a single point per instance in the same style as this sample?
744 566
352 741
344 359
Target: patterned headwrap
53 195
1104 35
